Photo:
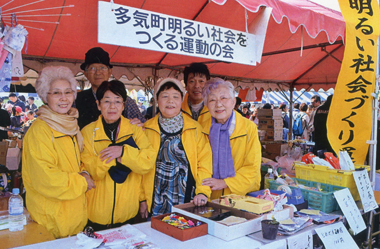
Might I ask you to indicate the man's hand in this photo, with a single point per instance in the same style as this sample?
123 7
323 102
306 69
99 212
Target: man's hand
90 182
199 200
136 121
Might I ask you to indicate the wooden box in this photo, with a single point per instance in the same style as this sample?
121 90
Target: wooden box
224 232
177 233
269 113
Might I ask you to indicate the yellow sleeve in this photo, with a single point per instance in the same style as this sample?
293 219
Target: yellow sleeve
139 160
204 167
247 177
40 164
90 161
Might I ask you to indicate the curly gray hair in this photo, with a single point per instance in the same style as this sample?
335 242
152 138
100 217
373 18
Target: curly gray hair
213 84
51 74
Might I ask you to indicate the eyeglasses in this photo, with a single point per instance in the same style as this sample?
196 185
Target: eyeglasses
223 100
107 103
57 94
100 69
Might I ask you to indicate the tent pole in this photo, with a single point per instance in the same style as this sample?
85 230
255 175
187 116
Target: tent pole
373 147
154 99
290 133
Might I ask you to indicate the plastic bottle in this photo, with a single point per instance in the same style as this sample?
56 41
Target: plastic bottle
15 210
269 176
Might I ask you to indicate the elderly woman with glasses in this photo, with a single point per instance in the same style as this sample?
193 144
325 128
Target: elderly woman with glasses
116 155
236 150
182 155
55 186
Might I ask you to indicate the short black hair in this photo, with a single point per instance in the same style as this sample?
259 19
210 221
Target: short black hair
31 112
167 86
303 107
296 105
115 86
22 98
196 68
267 106
317 98
282 107
12 95
32 98
238 101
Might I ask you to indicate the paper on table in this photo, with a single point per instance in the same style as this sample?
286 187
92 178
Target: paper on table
287 222
365 190
350 210
310 211
280 244
336 236
301 241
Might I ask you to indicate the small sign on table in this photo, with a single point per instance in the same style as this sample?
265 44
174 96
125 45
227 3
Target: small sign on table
365 190
336 236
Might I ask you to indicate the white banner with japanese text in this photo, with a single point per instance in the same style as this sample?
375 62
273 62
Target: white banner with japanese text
131 27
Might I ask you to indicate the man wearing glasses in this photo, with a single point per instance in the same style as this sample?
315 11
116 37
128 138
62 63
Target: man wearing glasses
97 68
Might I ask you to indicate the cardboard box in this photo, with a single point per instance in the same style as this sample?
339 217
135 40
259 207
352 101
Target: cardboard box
3 152
269 113
222 231
227 233
177 233
13 158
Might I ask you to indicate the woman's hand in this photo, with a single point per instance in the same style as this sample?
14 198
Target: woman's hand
214 184
143 210
111 153
199 200
90 182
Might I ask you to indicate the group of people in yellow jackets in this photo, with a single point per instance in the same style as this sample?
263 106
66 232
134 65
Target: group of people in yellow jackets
194 150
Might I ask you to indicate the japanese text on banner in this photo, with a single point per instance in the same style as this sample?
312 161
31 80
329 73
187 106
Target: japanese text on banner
349 121
127 26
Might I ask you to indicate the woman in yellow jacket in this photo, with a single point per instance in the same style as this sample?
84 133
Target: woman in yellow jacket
183 155
55 187
115 154
236 149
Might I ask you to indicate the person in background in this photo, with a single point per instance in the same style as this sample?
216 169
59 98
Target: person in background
116 154
142 108
149 110
5 121
8 108
305 121
97 68
14 101
55 186
22 99
16 118
254 118
29 120
296 110
284 114
245 111
238 103
1 103
320 129
235 145
182 150
195 77
31 104
315 102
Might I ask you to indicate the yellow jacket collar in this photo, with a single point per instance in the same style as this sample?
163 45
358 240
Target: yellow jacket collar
100 134
186 108
57 134
239 127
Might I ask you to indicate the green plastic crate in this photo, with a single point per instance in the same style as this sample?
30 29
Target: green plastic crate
324 201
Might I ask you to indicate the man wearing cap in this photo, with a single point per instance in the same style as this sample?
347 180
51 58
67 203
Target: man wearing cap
13 100
97 68
195 76
31 106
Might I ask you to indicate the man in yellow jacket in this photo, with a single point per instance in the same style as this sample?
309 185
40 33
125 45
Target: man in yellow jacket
195 77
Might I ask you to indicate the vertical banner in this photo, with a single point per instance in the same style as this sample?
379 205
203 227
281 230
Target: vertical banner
349 121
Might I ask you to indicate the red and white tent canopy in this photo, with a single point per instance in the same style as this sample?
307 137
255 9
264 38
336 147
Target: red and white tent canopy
303 45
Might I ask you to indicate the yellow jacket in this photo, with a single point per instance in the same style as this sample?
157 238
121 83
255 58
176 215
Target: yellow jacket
55 192
140 161
198 153
246 154
204 116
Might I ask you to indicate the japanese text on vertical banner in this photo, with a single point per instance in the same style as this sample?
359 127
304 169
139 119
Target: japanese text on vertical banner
350 118
127 26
